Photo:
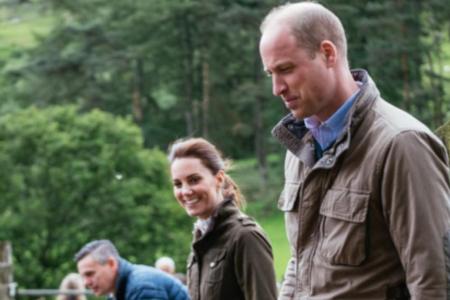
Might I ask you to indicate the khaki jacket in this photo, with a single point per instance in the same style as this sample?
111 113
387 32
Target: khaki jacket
371 218
232 260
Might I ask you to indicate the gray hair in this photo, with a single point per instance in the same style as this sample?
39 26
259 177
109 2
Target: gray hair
310 23
165 261
100 250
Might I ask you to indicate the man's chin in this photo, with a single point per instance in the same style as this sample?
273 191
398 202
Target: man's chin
298 114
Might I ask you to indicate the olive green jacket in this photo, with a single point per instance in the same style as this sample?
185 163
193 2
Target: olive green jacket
371 218
232 260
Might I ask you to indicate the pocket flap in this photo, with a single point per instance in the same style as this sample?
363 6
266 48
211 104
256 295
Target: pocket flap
217 258
288 196
344 204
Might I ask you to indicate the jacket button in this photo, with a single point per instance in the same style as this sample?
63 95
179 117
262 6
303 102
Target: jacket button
212 265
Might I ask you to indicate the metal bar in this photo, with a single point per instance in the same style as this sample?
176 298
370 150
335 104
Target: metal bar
50 292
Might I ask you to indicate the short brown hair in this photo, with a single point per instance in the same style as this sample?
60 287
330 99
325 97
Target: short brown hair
310 23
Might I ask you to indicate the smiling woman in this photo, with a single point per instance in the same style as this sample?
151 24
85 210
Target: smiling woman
231 257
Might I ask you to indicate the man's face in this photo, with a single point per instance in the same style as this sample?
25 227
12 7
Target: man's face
305 84
100 278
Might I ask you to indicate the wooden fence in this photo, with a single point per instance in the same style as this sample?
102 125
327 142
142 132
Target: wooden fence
8 290
6 277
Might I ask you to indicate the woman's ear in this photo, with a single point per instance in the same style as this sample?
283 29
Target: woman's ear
220 178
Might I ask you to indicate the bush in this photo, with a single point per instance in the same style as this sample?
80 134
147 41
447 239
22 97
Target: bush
67 178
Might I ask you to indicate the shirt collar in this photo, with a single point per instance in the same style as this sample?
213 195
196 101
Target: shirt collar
326 132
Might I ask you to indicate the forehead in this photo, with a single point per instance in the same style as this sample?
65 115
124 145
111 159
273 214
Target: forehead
186 166
87 263
278 44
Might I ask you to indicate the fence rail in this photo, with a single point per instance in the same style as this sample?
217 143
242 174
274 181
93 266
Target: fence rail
51 292
8 288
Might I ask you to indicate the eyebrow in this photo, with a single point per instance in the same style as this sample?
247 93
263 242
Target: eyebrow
279 66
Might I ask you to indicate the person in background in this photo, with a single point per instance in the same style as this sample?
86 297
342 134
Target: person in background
366 194
231 258
72 282
106 273
166 264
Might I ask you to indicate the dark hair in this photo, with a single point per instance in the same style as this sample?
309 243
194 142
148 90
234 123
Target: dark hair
212 159
100 250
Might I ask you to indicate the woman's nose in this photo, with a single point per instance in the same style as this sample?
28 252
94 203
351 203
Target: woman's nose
186 190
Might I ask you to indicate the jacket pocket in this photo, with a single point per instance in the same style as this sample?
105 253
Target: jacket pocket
216 263
288 197
343 226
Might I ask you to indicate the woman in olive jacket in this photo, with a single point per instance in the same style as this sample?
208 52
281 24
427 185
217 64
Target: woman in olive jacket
231 257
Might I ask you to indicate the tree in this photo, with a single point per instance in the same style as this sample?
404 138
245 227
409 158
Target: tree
68 178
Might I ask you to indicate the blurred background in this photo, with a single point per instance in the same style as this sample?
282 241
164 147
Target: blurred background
92 92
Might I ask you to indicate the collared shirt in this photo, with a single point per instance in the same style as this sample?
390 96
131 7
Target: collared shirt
327 132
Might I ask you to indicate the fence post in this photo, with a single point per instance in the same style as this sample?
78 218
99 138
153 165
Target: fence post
6 277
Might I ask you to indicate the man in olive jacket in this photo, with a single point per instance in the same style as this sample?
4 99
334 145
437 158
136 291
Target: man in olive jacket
366 195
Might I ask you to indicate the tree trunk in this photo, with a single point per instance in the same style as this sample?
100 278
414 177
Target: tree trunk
137 91
206 97
6 277
188 81
260 148
260 145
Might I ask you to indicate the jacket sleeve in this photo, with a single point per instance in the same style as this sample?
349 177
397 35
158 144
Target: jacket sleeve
288 284
254 265
415 197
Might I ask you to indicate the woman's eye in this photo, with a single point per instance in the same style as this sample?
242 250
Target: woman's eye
177 185
194 180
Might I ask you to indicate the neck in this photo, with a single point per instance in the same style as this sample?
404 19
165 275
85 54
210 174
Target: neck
345 86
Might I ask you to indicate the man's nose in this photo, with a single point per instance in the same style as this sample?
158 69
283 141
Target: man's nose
87 282
278 85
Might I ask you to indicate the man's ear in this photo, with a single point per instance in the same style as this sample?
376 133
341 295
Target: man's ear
329 52
113 263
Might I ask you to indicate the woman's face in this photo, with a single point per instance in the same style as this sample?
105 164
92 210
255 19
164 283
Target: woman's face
195 187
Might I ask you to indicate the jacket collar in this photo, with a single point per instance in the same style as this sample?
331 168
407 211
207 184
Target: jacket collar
122 277
225 209
293 134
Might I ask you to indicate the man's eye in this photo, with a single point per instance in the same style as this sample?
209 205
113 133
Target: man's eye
285 69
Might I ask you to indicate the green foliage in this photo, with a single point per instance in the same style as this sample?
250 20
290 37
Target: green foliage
68 178
444 133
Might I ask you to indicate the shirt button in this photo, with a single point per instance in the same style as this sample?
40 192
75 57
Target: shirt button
212 265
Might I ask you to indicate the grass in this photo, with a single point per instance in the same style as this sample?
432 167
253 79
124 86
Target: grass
274 227
19 26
